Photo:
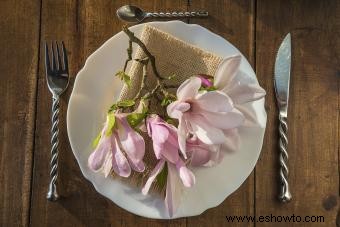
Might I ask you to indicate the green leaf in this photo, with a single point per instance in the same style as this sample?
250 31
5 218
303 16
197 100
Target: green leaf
126 103
112 121
171 121
172 76
144 106
168 99
145 110
211 88
124 77
135 119
165 102
96 140
120 74
127 80
161 178
113 108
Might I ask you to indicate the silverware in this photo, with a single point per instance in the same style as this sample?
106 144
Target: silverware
281 83
57 77
134 14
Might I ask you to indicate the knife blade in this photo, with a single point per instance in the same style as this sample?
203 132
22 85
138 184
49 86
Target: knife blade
281 83
282 74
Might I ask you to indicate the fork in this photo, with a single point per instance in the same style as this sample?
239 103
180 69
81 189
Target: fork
57 77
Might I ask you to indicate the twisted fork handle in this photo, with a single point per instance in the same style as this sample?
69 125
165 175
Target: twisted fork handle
178 14
52 193
285 195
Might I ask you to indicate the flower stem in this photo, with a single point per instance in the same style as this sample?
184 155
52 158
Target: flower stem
129 52
152 59
144 62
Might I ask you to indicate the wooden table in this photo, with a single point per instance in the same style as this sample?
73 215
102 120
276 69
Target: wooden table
255 27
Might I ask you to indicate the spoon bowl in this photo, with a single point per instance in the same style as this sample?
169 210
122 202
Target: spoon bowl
131 14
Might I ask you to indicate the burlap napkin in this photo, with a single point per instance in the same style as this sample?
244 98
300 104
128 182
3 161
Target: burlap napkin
173 56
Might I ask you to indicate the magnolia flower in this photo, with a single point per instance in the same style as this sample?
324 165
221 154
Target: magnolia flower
214 114
205 114
166 148
120 149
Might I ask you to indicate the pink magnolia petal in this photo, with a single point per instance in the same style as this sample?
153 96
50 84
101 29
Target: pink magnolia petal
99 155
177 108
244 88
228 120
160 133
120 164
131 141
174 190
227 71
206 132
137 166
246 93
182 136
173 137
170 153
164 138
158 149
189 88
249 114
107 167
203 154
158 168
205 80
214 101
149 122
187 177
199 155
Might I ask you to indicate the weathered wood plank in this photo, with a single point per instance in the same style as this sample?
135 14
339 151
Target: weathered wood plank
18 66
84 26
313 111
233 20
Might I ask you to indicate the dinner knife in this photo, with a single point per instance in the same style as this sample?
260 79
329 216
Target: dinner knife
281 84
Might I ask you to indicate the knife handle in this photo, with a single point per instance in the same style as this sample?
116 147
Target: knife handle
285 195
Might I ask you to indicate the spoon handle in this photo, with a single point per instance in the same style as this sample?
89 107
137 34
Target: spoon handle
178 14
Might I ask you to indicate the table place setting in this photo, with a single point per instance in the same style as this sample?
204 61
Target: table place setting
169 113
164 110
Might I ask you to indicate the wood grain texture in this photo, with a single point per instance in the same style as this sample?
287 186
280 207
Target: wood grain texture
84 26
234 21
313 112
19 40
255 27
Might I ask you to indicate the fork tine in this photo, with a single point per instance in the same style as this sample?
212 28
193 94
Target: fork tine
60 67
47 59
54 64
64 56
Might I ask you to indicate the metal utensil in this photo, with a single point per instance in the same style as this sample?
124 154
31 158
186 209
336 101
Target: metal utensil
281 83
134 14
57 77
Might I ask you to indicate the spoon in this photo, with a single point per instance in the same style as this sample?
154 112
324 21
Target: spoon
133 14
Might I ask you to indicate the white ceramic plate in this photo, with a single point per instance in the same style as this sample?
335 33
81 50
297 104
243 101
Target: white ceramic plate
96 88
